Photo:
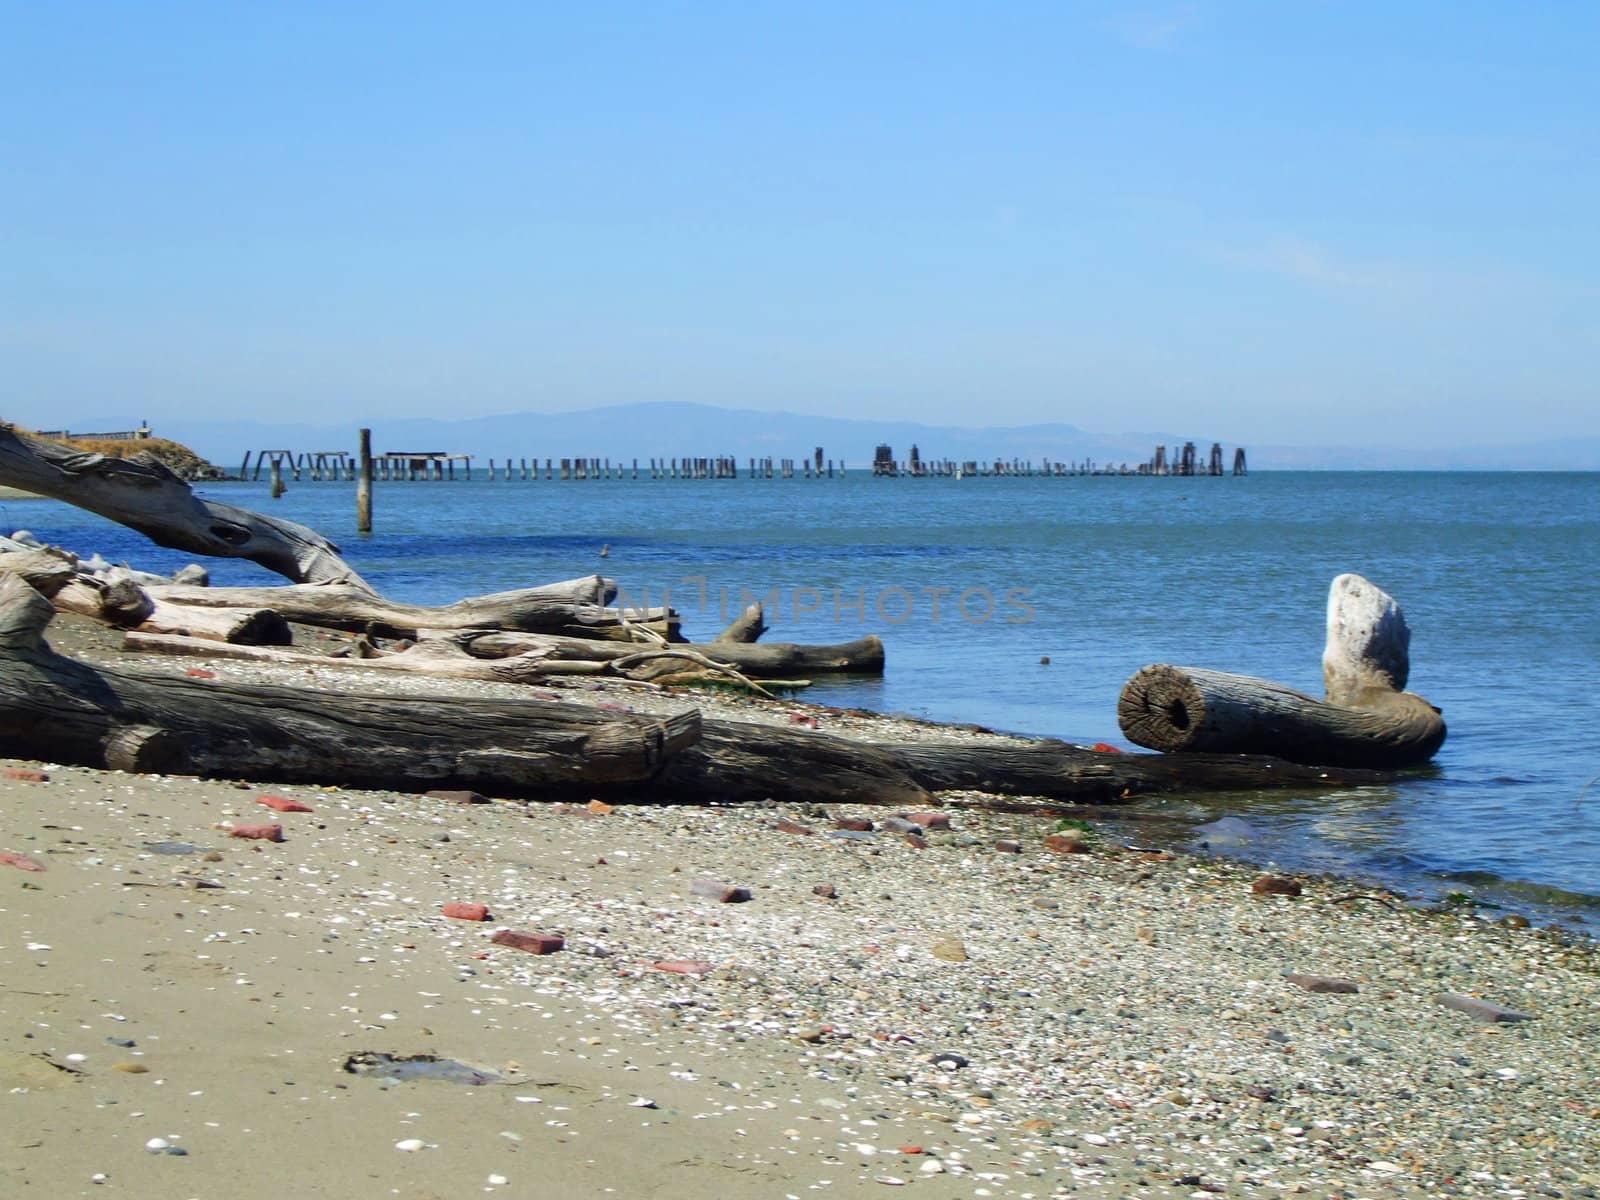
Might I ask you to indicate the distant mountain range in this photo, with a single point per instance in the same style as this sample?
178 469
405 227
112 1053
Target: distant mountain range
684 430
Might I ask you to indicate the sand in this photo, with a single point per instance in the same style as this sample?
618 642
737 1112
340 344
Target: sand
804 1063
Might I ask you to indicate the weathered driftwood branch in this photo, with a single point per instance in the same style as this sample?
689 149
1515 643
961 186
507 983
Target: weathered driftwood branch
554 606
53 707
748 626
143 494
445 658
123 603
770 660
45 570
117 599
1366 720
437 657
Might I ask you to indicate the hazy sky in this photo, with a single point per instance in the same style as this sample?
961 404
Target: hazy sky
1275 222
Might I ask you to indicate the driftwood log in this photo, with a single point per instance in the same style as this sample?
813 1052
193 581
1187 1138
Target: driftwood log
116 598
54 707
1366 719
555 607
768 660
748 626
144 494
529 658
126 605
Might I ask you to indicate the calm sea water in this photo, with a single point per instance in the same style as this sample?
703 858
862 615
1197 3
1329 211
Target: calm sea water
971 582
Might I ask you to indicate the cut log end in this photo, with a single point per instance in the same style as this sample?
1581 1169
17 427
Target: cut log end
144 750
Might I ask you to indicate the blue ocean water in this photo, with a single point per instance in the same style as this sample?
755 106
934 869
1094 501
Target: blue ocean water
972 582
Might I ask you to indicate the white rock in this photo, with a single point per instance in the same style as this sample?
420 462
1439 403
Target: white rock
410 1144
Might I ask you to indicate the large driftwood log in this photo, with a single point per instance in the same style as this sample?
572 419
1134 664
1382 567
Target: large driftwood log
1058 770
143 494
1366 720
744 761
554 606
53 707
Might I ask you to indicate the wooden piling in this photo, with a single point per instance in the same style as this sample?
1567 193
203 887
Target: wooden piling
364 484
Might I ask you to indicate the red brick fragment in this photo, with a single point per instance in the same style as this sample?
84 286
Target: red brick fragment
465 910
909 1149
805 719
854 824
916 841
930 820
26 774
260 833
684 966
282 803
599 808
723 893
10 858
533 943
1322 983
570 810
1066 843
1275 885
785 825
200 673
1106 748
1008 847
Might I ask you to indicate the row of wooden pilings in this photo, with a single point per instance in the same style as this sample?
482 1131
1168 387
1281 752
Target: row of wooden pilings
1184 461
337 465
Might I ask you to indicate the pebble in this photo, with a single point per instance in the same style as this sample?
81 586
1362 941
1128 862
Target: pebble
260 833
1322 983
722 893
1482 1010
411 1145
1275 885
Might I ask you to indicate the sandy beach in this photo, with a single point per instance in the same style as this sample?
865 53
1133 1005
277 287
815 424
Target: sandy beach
981 1015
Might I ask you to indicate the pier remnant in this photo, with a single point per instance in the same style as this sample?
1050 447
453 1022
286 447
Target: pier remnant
364 484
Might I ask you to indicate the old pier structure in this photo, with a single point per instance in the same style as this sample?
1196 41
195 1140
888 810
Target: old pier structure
401 465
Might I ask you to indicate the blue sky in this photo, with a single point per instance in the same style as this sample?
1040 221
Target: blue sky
1265 223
